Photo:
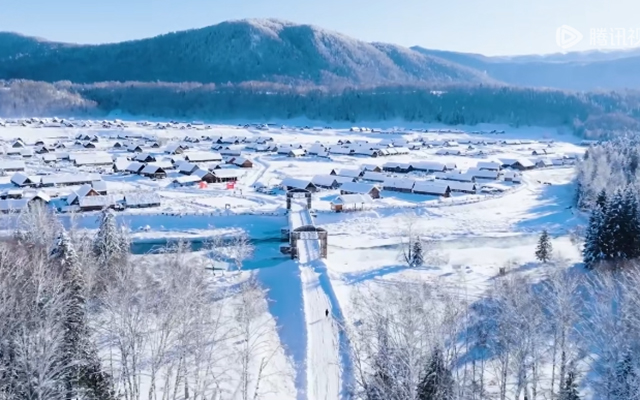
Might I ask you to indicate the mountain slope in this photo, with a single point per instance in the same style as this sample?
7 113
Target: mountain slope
576 71
234 51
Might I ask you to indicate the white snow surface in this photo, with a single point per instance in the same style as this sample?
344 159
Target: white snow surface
474 234
323 361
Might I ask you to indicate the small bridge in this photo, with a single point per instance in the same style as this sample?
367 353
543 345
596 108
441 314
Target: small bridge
302 228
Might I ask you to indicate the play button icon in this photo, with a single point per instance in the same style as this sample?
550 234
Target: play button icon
567 37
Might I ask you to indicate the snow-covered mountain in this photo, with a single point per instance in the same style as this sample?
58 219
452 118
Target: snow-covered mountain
234 51
576 71
276 51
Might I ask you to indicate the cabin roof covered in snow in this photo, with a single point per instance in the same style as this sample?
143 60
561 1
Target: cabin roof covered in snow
428 165
151 169
122 163
172 147
100 186
188 178
141 198
317 148
98 158
351 173
164 164
430 187
19 178
298 152
226 173
79 193
185 166
12 164
399 183
200 173
525 162
96 201
457 185
324 180
240 160
357 187
68 179
369 167
355 199
201 156
482 173
490 165
374 176
296 183
135 166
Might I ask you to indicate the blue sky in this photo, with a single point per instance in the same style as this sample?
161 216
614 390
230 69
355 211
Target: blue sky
491 27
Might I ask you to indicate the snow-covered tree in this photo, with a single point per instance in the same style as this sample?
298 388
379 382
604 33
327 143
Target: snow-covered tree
255 349
630 229
111 249
560 298
437 382
37 227
594 247
109 242
570 388
240 249
544 249
85 375
399 328
414 253
626 385
613 234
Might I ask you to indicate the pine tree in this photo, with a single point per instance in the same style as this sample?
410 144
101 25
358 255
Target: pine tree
625 385
630 229
595 247
612 228
569 390
437 383
111 248
109 243
417 255
544 249
79 354
601 200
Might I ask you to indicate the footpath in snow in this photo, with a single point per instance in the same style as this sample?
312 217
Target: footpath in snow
328 357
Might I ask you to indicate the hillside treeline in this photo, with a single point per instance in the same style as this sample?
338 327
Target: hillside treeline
588 114
28 99
608 167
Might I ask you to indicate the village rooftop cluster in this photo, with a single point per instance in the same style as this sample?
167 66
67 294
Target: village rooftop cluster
82 166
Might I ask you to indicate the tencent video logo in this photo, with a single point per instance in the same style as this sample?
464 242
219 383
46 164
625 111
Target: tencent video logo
567 37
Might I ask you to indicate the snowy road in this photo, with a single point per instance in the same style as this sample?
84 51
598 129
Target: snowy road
323 360
327 353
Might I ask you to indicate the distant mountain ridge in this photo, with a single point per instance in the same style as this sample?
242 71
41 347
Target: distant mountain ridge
277 51
574 71
234 51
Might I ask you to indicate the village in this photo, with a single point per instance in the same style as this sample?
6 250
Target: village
87 166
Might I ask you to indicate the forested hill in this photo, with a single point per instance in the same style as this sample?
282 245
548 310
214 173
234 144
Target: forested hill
234 51
277 51
587 114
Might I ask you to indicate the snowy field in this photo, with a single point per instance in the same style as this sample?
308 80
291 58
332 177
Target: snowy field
470 235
